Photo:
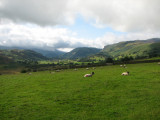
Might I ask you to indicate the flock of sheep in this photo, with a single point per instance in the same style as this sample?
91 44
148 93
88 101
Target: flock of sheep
90 75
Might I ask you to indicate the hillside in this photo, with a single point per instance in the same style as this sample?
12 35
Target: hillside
15 55
81 52
5 60
50 54
137 48
46 53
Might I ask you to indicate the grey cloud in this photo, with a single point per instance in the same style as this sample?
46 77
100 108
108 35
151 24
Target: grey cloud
44 38
124 15
67 44
61 44
49 12
26 43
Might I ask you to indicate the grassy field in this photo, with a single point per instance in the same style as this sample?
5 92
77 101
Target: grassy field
154 58
67 95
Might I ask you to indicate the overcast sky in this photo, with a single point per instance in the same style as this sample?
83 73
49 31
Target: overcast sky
67 24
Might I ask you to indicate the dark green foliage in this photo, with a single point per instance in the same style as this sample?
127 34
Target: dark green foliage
86 59
155 50
34 70
109 60
126 59
5 60
23 71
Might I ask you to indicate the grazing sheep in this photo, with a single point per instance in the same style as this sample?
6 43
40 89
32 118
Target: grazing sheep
89 75
75 69
124 66
158 63
87 68
30 73
94 68
58 70
125 73
52 72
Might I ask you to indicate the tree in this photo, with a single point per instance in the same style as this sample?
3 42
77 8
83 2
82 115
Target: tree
126 59
109 60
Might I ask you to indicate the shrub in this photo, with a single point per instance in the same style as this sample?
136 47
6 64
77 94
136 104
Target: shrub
23 71
34 70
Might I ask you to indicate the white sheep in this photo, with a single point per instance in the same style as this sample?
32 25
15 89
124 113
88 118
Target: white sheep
75 69
58 70
121 65
124 66
89 75
87 68
125 73
52 72
158 63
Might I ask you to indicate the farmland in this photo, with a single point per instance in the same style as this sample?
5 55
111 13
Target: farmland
67 95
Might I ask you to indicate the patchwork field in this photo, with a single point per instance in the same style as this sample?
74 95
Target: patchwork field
67 95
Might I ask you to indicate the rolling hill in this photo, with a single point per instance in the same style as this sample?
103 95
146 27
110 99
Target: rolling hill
55 54
137 48
15 55
81 52
5 60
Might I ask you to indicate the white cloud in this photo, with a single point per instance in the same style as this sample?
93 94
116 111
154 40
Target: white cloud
123 15
50 38
33 36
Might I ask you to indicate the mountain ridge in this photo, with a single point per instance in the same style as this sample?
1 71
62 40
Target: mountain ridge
21 55
81 52
136 48
54 54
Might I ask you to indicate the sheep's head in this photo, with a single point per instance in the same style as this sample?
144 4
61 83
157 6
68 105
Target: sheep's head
92 73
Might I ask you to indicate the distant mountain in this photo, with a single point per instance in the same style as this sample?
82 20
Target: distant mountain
10 48
137 48
49 54
15 55
81 52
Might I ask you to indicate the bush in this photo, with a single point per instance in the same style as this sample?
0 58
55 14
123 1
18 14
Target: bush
23 71
34 70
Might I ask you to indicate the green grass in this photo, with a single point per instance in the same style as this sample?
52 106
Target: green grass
154 58
67 95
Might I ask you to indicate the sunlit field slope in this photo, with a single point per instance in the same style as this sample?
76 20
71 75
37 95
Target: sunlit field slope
67 95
